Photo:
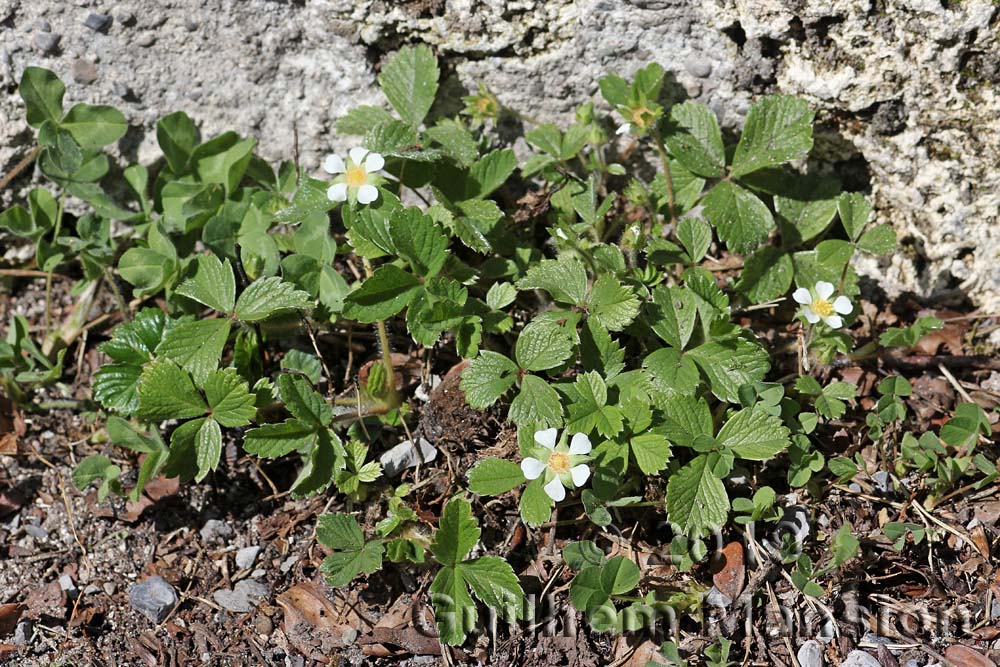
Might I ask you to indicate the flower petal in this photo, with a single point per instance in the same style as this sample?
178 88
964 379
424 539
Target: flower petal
843 305
357 154
624 128
811 317
555 490
802 295
834 321
337 192
824 290
367 194
374 162
334 164
580 474
547 438
580 444
532 468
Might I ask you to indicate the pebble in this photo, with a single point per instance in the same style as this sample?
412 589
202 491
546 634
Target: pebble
404 455
860 659
147 39
246 556
66 583
882 481
214 530
23 633
153 598
243 598
47 42
698 67
98 22
288 564
811 654
258 573
91 589
36 532
83 71
263 625
43 26
109 587
717 598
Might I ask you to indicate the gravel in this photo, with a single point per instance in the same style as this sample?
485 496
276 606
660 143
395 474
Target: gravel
98 22
153 598
244 596
811 654
246 557
215 530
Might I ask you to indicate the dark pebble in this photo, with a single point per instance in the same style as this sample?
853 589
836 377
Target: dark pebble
47 42
98 22
153 598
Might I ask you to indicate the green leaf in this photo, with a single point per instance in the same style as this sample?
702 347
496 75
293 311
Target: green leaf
619 576
491 171
135 342
672 314
612 304
454 609
537 402
213 284
457 141
696 141
911 335
42 92
309 199
500 295
754 434
457 532
586 590
96 468
167 392
268 296
177 135
564 279
767 275
115 386
854 211
487 378
696 235
743 221
585 553
18 221
671 374
535 505
778 129
272 441
230 398
303 401
382 295
322 462
196 346
590 410
696 498
491 477
362 118
809 210
651 452
208 447
225 167
493 581
390 138
879 240
730 365
542 345
410 81
303 362
94 126
352 554
418 240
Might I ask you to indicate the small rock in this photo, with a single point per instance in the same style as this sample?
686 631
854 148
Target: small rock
404 455
153 598
263 625
717 598
23 633
882 481
43 26
288 564
36 532
146 39
698 67
191 24
98 22
246 556
243 598
109 587
83 71
47 42
860 659
215 530
967 657
728 571
66 583
91 589
811 654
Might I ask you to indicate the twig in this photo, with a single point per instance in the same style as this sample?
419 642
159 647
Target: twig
20 166
954 383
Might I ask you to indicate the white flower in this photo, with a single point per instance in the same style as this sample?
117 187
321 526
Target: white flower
624 128
357 177
563 465
816 305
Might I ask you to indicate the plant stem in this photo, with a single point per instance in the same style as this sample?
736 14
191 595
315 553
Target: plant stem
123 306
392 399
671 206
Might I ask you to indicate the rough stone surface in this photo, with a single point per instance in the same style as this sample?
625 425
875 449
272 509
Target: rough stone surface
810 654
906 89
153 598
860 659
244 596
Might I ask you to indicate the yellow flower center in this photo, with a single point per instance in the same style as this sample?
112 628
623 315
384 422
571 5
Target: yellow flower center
484 105
559 462
822 307
641 117
356 177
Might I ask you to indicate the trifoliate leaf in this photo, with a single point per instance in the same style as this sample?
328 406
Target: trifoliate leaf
651 452
586 590
303 401
457 532
487 378
490 172
810 211
713 303
612 304
696 498
208 447
229 398
778 129
196 346
672 314
268 296
542 346
730 365
271 441
753 434
589 409
212 284
536 402
767 275
418 240
695 140
879 240
671 374
491 477
854 211
619 576
167 392
564 279
686 418
382 295
410 80
493 581
94 126
352 555
742 220
454 610
535 505
322 462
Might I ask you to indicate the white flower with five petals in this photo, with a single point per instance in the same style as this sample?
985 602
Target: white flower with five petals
357 178
562 465
816 305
